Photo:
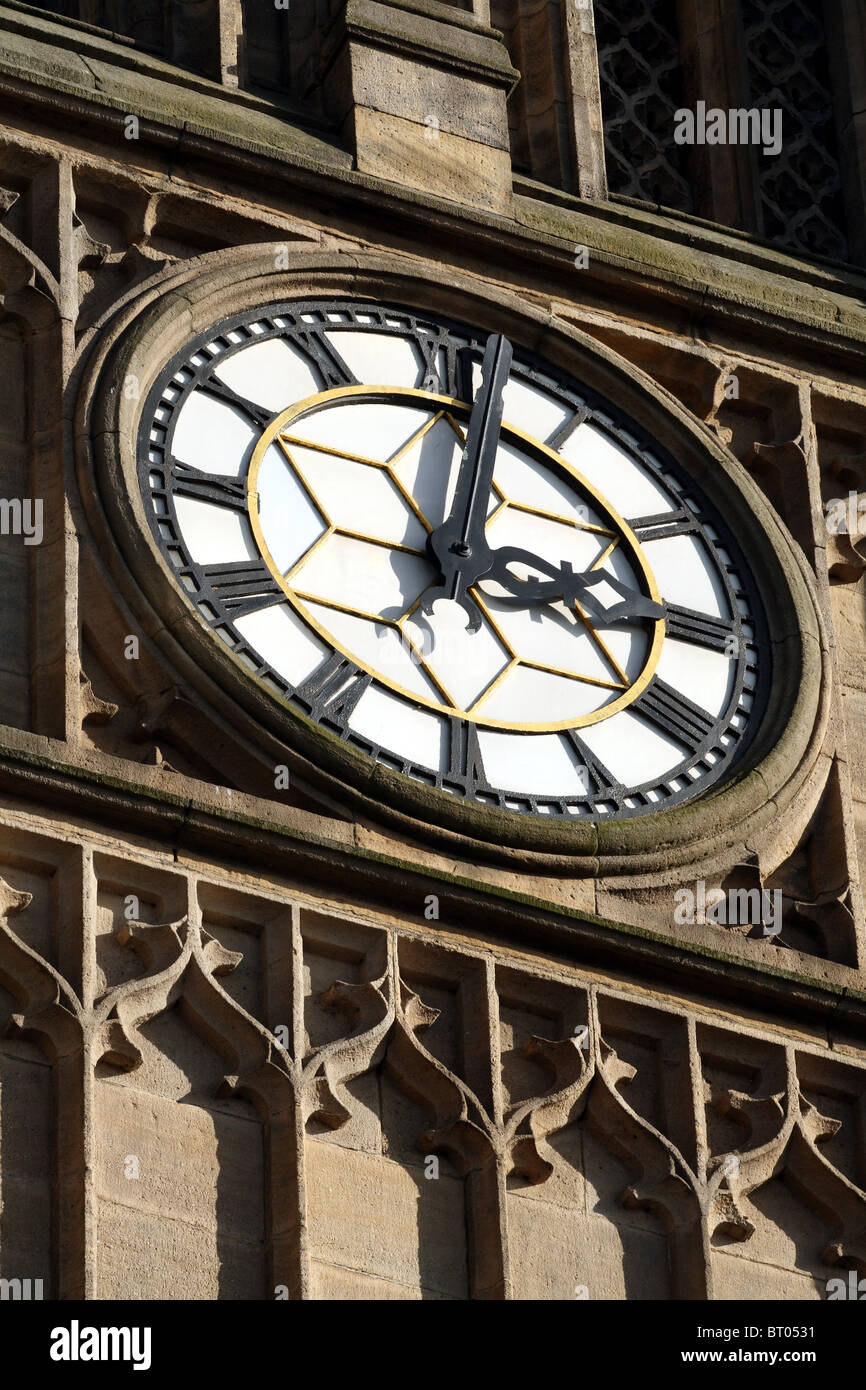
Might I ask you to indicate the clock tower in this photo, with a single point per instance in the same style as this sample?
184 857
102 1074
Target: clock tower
432 692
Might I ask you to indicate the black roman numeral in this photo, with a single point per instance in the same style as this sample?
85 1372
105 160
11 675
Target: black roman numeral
429 350
697 628
186 481
602 785
465 763
458 370
240 588
674 714
323 355
334 689
256 414
663 524
566 430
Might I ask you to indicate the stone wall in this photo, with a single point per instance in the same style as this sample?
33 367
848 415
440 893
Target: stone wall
261 1045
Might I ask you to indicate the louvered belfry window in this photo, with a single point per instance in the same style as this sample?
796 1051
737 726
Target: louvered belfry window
800 189
641 88
782 64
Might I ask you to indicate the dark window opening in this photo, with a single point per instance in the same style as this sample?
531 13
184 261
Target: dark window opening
642 87
799 189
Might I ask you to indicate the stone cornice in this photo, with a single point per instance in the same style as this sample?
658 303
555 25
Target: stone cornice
450 39
47 780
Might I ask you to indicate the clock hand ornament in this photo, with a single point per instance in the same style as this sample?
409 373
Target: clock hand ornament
564 583
459 547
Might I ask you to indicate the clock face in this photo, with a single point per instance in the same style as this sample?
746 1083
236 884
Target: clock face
497 587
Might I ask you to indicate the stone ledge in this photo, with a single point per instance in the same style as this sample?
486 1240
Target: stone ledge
42 775
689 230
431 38
457 18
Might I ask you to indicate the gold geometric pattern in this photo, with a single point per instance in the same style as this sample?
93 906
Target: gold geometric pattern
288 434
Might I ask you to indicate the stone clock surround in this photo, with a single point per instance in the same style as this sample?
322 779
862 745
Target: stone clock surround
719 828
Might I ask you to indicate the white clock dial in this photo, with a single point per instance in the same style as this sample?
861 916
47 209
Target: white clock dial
300 467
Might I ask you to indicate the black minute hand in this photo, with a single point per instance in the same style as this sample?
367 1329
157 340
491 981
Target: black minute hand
459 547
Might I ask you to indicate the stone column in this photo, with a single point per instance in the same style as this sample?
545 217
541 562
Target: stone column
556 114
418 89
722 176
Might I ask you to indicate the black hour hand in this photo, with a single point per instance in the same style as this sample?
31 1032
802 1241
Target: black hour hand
563 582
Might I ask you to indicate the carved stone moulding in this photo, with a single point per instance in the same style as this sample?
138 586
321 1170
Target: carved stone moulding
141 336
